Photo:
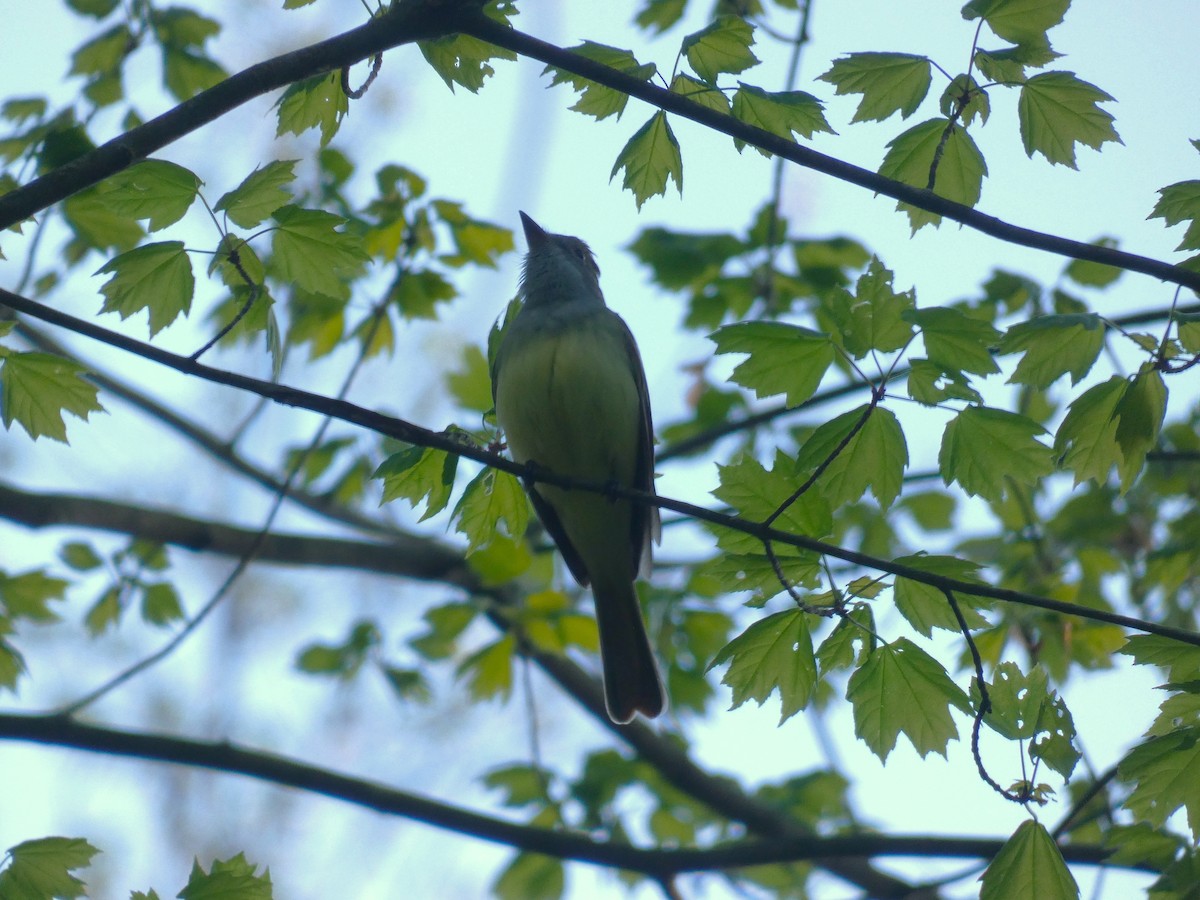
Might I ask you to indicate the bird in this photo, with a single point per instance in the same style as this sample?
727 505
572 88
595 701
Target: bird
570 395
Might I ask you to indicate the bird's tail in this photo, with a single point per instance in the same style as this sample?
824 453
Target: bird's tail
631 680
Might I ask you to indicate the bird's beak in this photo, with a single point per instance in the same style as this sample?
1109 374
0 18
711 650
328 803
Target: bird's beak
535 235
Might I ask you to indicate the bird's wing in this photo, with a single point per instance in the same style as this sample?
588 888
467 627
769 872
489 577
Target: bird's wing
558 534
645 526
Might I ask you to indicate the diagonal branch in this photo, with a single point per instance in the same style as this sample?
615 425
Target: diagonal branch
407 21
720 794
206 440
411 20
489 30
698 441
413 557
283 771
415 434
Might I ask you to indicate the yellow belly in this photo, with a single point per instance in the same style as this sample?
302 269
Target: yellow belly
569 402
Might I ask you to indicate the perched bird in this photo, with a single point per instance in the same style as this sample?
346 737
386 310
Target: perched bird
571 396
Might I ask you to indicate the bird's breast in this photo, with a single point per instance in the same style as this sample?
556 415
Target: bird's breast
567 399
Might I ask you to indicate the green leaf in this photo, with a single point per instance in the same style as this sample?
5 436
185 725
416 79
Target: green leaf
596 99
932 510
1139 413
419 474
471 385
153 189
489 670
982 447
1005 67
756 493
931 384
26 596
531 876
1024 708
104 53
261 193
1177 203
837 650
96 8
888 82
874 458
705 94
660 14
650 157
956 341
1028 865
42 869
958 175
1094 274
180 27
231 879
902 689
20 109
965 99
311 253
678 260
96 225
1177 711
782 359
1054 736
444 625
1181 661
462 59
873 318
417 294
1058 111
491 496
722 46
155 277
12 664
1086 441
104 613
317 102
1054 346
773 653
502 560
345 659
780 113
481 243
187 73
80 556
521 785
924 605
1018 21
753 571
1166 772
160 604
35 390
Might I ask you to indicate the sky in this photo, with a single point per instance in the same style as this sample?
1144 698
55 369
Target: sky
517 146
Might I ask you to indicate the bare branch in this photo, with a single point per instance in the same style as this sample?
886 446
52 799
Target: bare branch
482 27
415 434
279 770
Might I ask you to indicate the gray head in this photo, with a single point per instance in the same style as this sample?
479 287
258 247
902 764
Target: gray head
558 268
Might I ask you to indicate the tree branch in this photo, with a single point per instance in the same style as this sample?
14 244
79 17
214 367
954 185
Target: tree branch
486 29
406 21
415 434
210 443
410 556
279 770
702 439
